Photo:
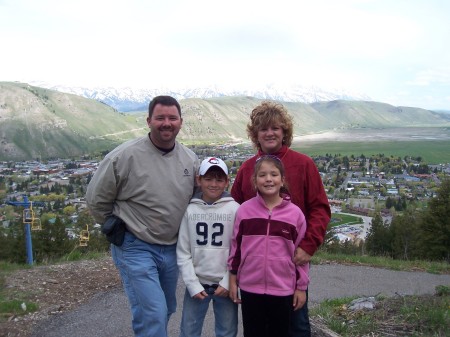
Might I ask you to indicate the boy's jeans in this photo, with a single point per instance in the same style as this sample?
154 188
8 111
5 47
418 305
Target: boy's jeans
194 311
149 274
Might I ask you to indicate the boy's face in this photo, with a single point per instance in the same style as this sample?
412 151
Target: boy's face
213 183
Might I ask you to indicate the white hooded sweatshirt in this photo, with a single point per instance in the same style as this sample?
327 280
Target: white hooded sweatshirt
204 242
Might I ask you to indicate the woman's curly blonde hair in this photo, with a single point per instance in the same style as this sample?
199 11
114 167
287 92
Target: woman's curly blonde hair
269 114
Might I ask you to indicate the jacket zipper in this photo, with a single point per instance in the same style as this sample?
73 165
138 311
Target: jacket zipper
267 250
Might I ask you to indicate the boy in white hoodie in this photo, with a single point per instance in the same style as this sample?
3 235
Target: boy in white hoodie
202 253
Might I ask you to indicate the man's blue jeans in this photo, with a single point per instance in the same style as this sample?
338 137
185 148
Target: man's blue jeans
194 311
149 274
300 326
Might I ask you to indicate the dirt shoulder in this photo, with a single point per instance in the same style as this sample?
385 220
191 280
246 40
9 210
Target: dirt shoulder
56 289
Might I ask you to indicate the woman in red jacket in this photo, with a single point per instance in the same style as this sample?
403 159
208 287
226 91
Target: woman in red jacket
271 132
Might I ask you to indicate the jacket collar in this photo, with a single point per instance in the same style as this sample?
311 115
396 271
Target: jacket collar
280 153
286 200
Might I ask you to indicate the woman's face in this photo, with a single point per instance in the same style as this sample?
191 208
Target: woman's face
270 138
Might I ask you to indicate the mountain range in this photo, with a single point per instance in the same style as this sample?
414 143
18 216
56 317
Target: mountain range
137 99
40 123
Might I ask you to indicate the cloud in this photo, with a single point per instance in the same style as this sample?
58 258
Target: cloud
436 76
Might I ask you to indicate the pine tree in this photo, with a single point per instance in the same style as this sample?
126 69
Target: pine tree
378 241
18 253
6 244
404 233
435 229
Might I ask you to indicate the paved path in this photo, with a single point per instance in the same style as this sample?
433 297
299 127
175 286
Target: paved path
107 315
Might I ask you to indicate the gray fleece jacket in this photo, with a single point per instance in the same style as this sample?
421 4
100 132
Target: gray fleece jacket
146 188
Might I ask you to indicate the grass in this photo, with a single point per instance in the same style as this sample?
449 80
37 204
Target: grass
76 255
426 315
432 152
13 303
344 219
12 306
433 267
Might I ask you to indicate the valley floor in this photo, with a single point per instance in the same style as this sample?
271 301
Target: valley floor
372 135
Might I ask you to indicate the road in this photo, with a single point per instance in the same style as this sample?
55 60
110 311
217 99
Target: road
107 314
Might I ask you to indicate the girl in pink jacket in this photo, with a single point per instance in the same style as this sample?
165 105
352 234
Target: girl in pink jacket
266 232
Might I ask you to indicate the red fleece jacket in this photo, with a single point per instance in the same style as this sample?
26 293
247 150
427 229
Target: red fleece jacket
305 188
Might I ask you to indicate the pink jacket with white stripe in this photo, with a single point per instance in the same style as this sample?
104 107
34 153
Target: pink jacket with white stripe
263 246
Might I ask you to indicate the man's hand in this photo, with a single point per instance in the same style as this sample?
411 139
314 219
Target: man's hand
301 257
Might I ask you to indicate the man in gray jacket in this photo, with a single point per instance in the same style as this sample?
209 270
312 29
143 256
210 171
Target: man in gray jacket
147 182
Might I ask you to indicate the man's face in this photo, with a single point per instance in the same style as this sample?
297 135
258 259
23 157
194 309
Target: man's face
164 125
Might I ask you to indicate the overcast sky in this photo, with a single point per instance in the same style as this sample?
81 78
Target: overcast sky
394 51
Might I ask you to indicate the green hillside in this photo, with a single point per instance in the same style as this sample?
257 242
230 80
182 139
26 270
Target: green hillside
356 114
41 123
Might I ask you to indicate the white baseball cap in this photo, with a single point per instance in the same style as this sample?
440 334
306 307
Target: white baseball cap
210 162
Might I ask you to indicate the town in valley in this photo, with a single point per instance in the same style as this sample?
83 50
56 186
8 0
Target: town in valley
357 185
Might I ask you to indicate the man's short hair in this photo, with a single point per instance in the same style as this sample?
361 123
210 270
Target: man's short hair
163 100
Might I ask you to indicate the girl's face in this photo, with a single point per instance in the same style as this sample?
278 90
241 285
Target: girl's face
270 139
268 179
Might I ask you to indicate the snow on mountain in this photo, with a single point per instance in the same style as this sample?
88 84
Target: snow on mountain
133 99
